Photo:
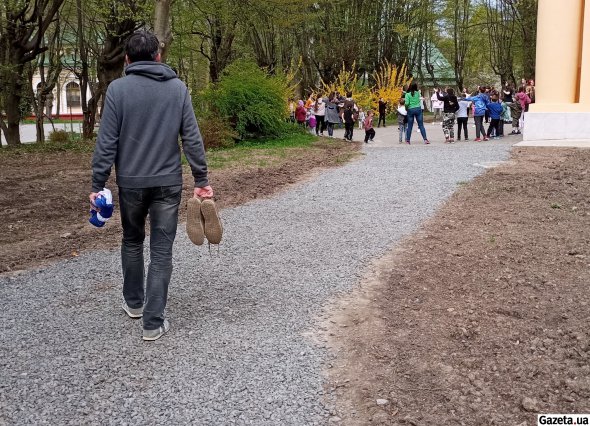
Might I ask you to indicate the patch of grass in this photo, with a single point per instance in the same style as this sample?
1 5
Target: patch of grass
258 153
555 206
462 183
75 144
55 121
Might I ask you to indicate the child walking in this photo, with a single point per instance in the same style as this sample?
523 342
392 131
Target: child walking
402 119
362 117
462 117
450 107
495 110
368 126
480 102
349 119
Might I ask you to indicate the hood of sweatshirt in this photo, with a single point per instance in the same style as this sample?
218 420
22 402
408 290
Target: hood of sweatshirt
154 70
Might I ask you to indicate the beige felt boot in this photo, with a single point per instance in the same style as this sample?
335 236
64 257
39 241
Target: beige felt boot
194 221
212 224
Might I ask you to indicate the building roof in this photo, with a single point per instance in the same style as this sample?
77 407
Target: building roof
443 71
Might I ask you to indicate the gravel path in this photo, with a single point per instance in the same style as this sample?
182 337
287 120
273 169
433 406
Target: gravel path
237 351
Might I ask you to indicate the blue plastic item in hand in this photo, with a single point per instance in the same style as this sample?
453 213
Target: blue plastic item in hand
104 203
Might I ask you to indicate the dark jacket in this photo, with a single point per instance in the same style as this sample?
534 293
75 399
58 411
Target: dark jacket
451 103
348 115
143 114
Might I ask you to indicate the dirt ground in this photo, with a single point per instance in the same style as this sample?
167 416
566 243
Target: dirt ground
482 317
44 199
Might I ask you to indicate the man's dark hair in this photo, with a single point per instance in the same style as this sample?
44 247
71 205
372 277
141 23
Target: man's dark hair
142 46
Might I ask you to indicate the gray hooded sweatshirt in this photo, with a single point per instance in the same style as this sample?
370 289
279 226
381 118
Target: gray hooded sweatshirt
143 114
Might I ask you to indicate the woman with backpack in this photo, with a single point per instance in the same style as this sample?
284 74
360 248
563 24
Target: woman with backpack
450 107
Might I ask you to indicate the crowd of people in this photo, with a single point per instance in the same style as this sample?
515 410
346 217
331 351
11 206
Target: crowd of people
321 113
486 105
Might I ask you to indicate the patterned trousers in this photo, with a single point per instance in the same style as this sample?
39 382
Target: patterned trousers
448 125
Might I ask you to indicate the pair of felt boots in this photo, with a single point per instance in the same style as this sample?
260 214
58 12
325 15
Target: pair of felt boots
202 221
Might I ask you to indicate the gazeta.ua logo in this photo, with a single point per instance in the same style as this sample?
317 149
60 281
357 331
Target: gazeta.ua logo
563 419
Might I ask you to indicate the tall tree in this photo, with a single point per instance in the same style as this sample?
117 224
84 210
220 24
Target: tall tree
461 12
525 12
119 20
49 68
162 26
217 25
501 26
22 28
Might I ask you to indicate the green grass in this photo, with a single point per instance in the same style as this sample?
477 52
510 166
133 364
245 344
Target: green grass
74 145
253 153
258 153
55 121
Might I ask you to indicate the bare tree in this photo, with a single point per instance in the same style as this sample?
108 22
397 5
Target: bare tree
461 13
525 12
120 20
22 27
501 25
49 72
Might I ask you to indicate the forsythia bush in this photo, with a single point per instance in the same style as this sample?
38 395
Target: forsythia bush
389 84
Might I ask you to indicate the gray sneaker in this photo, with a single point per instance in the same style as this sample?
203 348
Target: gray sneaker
157 333
133 312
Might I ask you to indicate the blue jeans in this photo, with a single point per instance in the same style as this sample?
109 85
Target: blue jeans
161 203
402 131
415 113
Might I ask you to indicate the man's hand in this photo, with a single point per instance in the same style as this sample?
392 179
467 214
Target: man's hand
206 192
92 197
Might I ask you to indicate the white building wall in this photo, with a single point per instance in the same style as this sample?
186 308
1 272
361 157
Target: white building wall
65 77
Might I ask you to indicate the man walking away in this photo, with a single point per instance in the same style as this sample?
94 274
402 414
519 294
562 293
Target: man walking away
143 114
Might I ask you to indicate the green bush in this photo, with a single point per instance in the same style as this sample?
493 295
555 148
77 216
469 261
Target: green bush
217 133
59 136
253 102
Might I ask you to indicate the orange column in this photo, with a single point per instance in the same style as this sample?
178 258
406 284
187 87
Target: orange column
585 62
559 44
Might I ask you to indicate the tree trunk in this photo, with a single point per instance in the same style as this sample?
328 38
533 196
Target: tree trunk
40 101
13 98
109 67
39 126
108 70
58 101
162 26
12 134
87 124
